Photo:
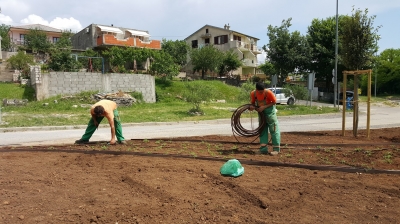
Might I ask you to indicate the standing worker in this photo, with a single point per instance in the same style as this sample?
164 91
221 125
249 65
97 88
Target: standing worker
101 109
264 100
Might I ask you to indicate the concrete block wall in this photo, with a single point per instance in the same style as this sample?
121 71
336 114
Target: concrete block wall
67 83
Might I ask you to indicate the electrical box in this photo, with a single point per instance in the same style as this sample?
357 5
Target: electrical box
310 81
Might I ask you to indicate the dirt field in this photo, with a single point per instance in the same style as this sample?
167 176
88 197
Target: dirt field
319 177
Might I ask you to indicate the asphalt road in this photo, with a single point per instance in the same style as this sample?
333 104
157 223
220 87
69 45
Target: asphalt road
381 116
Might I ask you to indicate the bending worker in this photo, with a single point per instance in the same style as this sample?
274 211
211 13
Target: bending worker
101 109
264 100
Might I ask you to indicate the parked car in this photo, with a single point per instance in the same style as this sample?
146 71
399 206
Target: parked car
281 98
349 94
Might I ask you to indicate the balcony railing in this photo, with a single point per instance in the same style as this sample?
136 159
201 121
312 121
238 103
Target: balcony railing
247 46
249 63
22 41
19 41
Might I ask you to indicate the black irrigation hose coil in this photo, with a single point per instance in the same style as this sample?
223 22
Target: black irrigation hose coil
237 127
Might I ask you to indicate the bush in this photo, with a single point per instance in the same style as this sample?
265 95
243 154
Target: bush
196 94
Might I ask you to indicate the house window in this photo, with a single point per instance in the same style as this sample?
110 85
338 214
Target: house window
207 41
239 38
194 44
22 38
206 30
221 39
55 39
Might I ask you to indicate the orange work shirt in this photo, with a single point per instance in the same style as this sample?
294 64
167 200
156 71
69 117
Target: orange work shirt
263 98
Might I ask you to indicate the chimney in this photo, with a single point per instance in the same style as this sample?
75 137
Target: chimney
227 27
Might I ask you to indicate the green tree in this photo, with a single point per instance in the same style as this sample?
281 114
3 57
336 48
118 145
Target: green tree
117 57
230 62
196 93
245 90
178 49
205 59
287 52
137 56
36 40
65 40
321 36
299 92
268 68
61 58
5 38
388 72
358 40
163 65
21 62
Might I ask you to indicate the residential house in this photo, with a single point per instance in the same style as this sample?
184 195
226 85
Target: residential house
98 37
226 39
18 33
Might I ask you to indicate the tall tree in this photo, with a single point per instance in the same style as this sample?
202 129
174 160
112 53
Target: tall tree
5 38
268 68
178 49
358 40
230 62
60 54
388 71
205 59
287 52
65 40
321 36
36 40
163 65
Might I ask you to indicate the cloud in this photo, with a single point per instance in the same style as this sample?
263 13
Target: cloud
59 23
5 19
66 24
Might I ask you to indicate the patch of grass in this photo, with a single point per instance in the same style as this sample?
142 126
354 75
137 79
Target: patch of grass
170 107
16 91
368 153
288 155
388 156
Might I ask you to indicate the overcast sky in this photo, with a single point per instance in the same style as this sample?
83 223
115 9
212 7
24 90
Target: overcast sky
177 19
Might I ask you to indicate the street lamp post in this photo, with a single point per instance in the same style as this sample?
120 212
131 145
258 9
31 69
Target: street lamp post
376 55
335 79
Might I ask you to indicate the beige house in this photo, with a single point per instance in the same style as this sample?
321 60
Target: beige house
243 45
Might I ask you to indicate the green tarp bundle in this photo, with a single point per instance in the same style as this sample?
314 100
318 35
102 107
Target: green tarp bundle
232 168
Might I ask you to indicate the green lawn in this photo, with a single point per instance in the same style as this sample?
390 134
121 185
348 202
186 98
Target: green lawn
169 106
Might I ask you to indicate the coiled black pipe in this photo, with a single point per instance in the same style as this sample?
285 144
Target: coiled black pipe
237 127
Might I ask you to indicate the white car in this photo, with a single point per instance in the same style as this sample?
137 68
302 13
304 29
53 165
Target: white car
280 96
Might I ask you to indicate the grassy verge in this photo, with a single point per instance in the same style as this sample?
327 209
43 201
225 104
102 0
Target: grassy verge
170 107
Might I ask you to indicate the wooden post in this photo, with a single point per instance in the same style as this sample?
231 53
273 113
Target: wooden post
344 103
369 102
355 112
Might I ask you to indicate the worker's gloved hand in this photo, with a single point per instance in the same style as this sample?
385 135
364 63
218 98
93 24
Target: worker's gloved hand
260 109
251 108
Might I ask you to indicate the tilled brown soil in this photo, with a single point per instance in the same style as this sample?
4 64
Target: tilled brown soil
319 177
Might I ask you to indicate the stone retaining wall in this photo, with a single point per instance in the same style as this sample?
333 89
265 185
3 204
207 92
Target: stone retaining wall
63 83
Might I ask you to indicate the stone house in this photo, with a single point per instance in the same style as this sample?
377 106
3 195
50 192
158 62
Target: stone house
245 46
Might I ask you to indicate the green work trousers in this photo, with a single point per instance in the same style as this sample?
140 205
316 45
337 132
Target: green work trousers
272 127
91 128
